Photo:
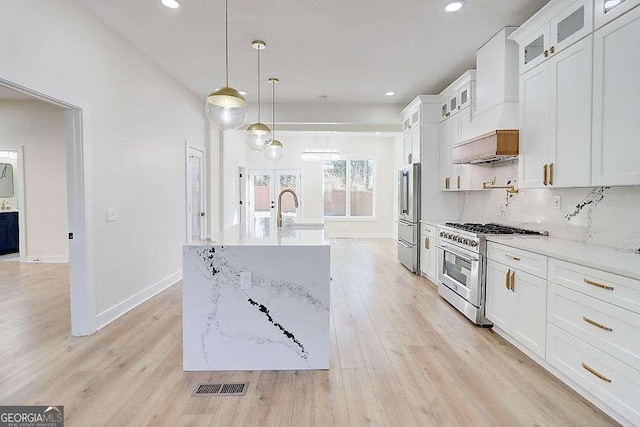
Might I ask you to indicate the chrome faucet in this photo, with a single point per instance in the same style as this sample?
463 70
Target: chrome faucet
295 199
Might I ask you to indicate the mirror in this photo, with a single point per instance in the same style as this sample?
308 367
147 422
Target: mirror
6 180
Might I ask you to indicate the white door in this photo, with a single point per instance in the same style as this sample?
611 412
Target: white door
415 143
535 120
570 25
499 306
570 142
616 91
242 194
406 147
195 195
445 154
530 322
264 187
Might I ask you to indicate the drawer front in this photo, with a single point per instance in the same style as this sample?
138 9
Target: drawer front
614 289
408 232
518 259
611 381
429 231
611 329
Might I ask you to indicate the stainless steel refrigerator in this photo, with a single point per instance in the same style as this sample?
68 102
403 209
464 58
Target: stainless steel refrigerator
409 216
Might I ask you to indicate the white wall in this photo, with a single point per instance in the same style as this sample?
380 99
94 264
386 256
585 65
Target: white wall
135 119
351 147
40 128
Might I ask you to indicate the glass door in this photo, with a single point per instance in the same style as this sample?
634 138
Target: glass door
264 187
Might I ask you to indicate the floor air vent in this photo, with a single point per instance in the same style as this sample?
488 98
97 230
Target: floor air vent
221 389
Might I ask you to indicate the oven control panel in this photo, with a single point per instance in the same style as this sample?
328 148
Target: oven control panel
459 239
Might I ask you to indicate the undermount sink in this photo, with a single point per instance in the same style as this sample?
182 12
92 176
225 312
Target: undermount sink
305 226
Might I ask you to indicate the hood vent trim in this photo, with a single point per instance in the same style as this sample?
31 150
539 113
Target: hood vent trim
495 146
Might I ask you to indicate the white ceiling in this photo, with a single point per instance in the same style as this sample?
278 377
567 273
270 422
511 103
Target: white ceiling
349 50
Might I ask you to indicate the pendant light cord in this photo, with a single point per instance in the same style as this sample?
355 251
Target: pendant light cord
258 85
273 111
226 37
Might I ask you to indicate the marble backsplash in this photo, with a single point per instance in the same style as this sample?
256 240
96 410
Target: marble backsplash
607 216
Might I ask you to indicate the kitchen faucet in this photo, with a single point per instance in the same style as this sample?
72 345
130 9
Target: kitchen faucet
295 199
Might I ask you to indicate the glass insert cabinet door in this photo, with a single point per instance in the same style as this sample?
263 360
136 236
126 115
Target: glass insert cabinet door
264 187
571 25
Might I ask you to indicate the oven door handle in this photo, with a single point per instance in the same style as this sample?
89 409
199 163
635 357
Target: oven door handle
452 250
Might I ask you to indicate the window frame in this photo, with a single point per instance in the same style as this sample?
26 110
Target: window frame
348 217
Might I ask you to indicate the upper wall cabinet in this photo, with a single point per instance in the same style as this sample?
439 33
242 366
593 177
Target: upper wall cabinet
422 110
616 110
554 28
608 10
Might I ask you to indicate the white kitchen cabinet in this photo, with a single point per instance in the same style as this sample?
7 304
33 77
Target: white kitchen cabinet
535 117
406 147
534 49
569 26
500 307
415 143
569 163
529 324
445 155
616 110
428 253
606 10
555 116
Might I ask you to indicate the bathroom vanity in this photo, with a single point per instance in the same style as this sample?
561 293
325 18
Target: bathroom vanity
257 298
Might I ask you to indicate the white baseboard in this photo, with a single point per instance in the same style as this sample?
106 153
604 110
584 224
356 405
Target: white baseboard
361 236
111 314
46 259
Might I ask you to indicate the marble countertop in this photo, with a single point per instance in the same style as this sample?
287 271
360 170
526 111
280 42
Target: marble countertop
623 263
266 234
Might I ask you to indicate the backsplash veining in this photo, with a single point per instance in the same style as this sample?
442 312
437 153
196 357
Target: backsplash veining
607 216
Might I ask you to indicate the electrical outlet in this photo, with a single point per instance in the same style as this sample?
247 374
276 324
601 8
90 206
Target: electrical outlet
557 202
245 280
111 215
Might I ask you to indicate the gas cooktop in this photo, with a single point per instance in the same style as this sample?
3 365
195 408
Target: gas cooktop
492 228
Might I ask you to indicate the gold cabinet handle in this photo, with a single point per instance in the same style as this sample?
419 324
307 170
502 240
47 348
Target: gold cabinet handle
426 243
546 53
513 280
515 258
596 373
458 182
594 323
552 49
544 174
551 174
447 183
598 285
409 158
506 279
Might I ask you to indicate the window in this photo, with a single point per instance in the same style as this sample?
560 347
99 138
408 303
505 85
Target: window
349 188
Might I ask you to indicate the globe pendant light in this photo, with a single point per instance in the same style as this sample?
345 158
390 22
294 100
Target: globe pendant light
275 150
225 107
258 135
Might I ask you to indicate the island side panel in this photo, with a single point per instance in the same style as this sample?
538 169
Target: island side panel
280 323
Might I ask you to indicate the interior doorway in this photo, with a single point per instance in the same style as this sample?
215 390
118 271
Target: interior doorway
195 195
12 202
264 187
82 291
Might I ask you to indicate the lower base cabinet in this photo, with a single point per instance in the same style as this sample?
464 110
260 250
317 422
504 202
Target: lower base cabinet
613 382
516 303
428 254
8 232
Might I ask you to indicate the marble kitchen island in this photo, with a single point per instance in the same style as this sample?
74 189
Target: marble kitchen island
257 298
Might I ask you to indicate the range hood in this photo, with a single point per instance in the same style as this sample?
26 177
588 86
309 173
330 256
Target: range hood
494 146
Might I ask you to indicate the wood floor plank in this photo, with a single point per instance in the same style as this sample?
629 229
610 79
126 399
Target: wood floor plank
400 356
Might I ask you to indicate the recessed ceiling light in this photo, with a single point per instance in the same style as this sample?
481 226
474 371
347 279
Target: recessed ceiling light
171 4
453 6
391 93
243 92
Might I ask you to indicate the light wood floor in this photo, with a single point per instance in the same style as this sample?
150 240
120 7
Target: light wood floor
401 356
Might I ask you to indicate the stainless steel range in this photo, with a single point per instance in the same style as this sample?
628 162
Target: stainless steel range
462 250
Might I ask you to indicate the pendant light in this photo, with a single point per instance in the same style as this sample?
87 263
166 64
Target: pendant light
225 107
258 135
320 155
275 150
